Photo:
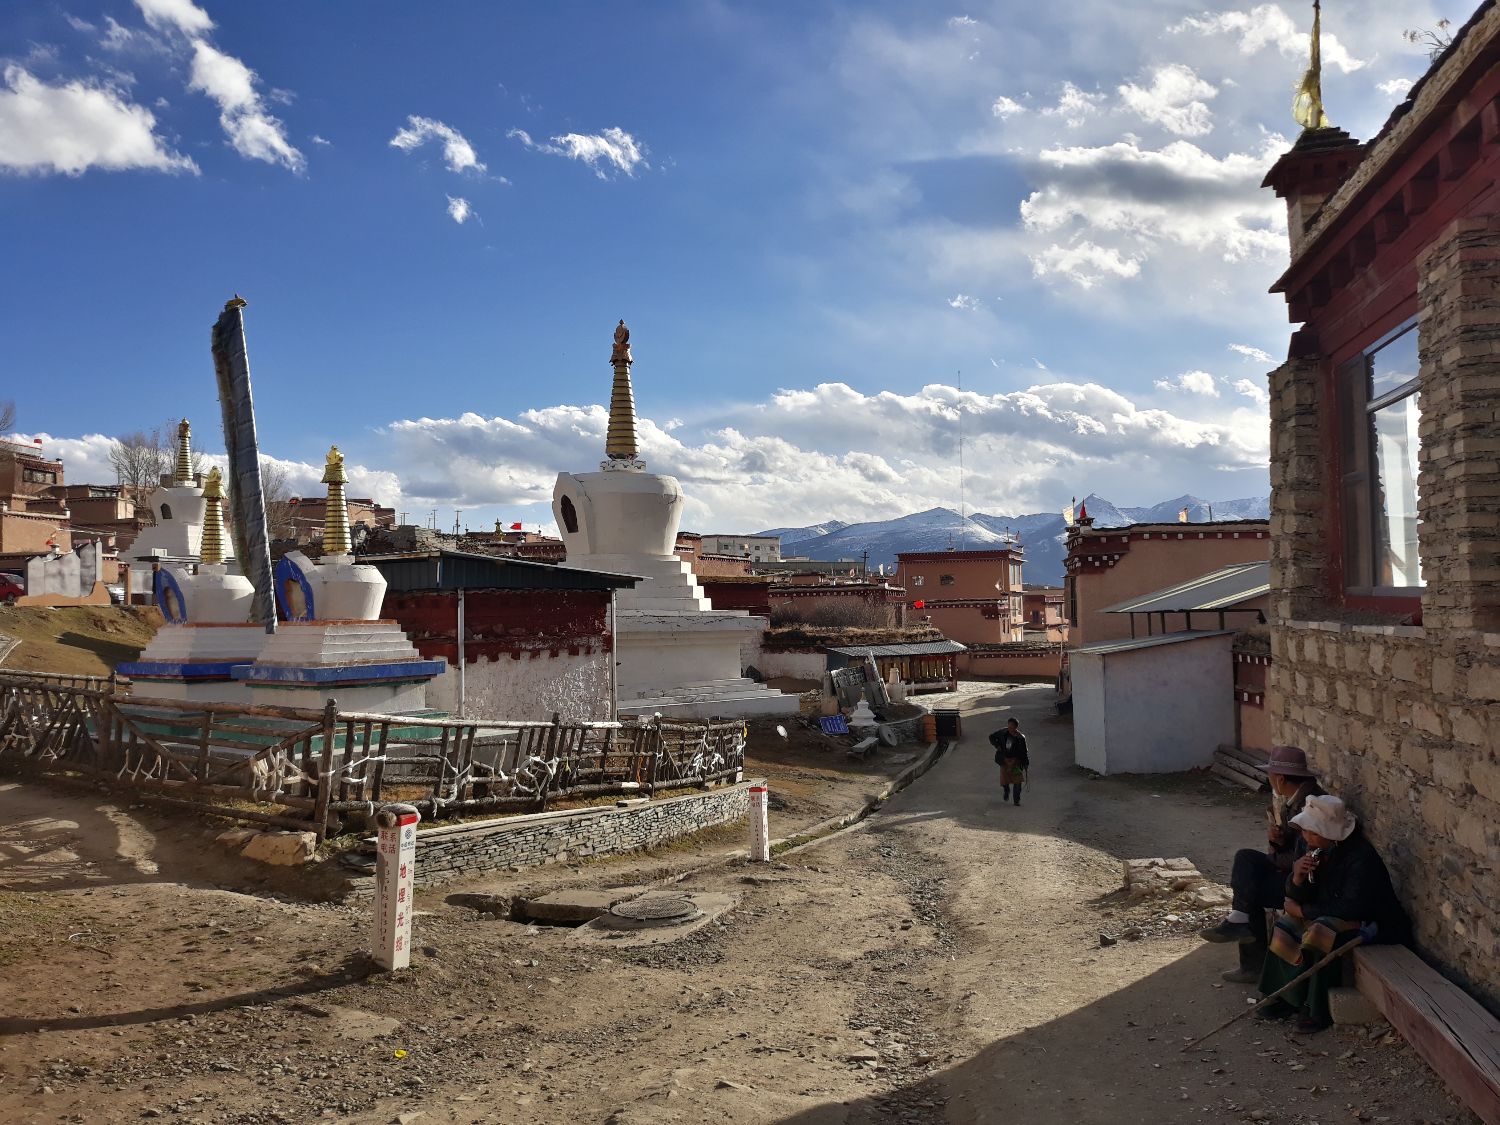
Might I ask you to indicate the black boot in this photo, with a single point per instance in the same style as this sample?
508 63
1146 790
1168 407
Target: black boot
1018 793
1004 793
1252 953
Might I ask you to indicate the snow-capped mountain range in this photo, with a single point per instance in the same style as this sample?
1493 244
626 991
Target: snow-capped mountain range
1042 533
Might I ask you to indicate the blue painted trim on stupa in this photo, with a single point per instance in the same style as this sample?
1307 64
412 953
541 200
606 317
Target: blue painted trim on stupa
286 676
175 670
164 584
289 572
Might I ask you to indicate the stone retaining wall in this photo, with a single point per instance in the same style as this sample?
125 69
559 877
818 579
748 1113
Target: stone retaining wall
448 853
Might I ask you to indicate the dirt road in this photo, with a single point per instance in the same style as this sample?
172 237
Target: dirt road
940 963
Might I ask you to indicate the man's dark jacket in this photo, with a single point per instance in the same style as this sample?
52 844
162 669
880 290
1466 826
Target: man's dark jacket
1351 883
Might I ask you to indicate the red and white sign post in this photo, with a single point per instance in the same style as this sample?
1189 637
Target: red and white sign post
760 826
395 863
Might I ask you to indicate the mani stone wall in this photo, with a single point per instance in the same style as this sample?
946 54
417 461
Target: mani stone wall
1404 721
449 853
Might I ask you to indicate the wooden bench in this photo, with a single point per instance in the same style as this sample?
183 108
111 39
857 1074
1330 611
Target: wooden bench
1455 1035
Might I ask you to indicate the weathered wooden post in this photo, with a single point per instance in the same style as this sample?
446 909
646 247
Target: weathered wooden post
395 876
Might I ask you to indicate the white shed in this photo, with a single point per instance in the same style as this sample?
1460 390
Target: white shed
1155 704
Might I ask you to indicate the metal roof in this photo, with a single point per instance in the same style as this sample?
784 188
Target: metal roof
1107 648
921 648
454 570
1218 589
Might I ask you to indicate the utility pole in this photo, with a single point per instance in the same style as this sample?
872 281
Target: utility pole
456 514
865 570
432 519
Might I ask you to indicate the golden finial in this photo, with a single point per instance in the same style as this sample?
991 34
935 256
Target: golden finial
620 442
336 538
184 473
235 302
1307 105
212 550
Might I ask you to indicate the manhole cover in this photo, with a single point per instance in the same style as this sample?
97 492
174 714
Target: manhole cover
656 908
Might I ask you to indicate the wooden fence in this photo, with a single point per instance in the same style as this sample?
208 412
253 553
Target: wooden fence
311 769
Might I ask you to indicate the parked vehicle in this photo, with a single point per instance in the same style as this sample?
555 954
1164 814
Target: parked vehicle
12 586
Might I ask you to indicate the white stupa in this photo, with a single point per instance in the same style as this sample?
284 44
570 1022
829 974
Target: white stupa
178 513
207 632
676 654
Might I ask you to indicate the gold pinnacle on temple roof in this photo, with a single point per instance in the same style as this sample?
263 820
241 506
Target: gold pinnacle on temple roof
1307 104
212 551
620 442
184 470
336 539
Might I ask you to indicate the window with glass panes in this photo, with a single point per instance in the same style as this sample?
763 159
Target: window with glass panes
1380 416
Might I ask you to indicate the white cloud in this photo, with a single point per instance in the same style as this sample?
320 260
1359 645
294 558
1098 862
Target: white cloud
118 37
80 24
1396 87
805 453
459 209
962 21
1253 391
72 127
613 147
317 140
1084 263
1267 25
253 132
1074 106
964 301
1145 199
1249 352
1175 100
1191 382
175 15
458 153
1006 107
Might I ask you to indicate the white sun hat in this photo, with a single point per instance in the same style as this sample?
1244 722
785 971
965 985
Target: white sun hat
1327 816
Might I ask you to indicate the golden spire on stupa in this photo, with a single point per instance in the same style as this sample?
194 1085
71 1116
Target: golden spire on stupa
620 442
184 471
336 539
212 550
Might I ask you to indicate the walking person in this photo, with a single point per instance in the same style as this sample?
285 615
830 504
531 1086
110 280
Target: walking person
1012 758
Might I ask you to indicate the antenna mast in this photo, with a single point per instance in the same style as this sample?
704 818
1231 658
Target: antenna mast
963 519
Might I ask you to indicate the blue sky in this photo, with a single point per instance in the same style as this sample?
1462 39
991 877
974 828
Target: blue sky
812 215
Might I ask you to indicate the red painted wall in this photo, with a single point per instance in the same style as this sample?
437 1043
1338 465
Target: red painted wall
503 622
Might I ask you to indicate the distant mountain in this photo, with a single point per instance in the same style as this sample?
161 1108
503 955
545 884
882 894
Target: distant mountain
1043 534
791 535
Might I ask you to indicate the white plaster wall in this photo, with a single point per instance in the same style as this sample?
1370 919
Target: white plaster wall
1164 709
577 687
797 665
661 653
1088 712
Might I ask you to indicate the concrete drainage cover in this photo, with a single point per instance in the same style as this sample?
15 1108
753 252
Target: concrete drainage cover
655 919
657 909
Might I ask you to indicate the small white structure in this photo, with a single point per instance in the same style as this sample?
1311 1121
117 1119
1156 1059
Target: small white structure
207 633
61 578
1153 705
179 512
677 655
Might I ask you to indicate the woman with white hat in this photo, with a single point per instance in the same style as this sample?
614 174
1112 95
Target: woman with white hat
1338 888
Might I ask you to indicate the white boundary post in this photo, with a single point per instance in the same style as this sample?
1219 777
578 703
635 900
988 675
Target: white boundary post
760 827
395 864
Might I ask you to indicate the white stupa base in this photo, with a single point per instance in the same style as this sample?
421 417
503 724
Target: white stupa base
688 665
670 585
195 662
362 665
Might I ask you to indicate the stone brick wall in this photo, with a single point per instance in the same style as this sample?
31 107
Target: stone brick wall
1404 720
444 854
1404 725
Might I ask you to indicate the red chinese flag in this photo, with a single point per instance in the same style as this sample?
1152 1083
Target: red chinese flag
515 527
919 605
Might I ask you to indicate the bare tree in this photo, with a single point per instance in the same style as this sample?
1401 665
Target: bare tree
277 494
139 459
7 415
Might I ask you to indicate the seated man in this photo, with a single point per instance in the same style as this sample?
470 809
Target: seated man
1259 878
1338 888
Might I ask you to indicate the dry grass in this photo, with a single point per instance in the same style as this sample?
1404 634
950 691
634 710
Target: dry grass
77 640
